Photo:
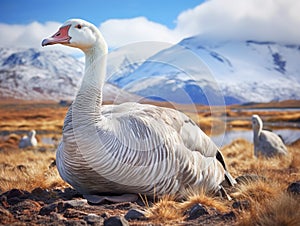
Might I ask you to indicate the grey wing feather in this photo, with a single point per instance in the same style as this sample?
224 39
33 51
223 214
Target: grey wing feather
271 144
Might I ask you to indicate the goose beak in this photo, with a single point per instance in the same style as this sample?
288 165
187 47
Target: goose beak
60 37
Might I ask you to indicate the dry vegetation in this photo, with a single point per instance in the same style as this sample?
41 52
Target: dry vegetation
264 183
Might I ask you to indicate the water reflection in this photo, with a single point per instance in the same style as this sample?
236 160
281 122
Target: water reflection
289 136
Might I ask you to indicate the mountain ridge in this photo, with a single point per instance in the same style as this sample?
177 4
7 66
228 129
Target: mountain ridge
244 71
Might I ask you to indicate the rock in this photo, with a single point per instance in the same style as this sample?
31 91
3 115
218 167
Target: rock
135 214
94 219
70 193
294 188
14 200
241 205
61 206
40 194
229 216
196 211
116 221
46 210
15 195
74 203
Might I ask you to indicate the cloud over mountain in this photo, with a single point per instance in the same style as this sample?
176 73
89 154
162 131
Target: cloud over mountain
268 20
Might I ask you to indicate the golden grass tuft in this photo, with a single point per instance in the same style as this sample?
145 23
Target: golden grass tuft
166 210
193 197
257 191
283 209
27 170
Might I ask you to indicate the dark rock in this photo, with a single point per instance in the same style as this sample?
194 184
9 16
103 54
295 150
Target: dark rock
14 200
70 193
46 210
94 219
135 214
294 188
116 221
104 215
196 211
61 206
229 216
17 193
241 205
40 194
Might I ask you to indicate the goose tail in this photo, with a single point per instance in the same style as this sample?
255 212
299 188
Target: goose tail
228 178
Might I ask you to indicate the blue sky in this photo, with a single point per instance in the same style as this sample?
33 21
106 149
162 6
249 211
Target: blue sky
24 23
96 11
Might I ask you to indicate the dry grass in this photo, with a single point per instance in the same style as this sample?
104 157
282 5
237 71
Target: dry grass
277 209
269 202
165 211
28 170
194 197
26 116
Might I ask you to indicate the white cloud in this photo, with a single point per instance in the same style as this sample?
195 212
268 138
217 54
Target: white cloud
30 36
268 20
120 32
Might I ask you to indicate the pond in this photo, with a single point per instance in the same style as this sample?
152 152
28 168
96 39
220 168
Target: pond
289 135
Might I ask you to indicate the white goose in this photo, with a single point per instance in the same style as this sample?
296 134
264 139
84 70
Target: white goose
266 143
128 148
28 140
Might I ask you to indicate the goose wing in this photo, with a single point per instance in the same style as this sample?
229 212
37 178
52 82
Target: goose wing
271 143
145 126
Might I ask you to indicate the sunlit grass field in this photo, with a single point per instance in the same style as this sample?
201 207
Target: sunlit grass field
264 183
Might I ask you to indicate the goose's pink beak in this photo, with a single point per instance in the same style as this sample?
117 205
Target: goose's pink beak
60 37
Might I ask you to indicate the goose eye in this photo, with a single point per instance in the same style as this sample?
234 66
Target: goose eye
78 26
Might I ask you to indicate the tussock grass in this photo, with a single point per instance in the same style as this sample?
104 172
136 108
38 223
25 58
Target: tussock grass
166 210
269 202
27 170
283 209
194 197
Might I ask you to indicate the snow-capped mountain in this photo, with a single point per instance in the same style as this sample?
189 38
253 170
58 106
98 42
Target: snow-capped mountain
196 70
46 75
207 72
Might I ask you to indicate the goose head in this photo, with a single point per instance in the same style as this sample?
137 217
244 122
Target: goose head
256 123
79 34
31 133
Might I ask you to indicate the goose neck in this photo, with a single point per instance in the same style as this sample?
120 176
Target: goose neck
89 97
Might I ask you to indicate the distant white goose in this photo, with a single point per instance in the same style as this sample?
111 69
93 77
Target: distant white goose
28 140
128 148
266 143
